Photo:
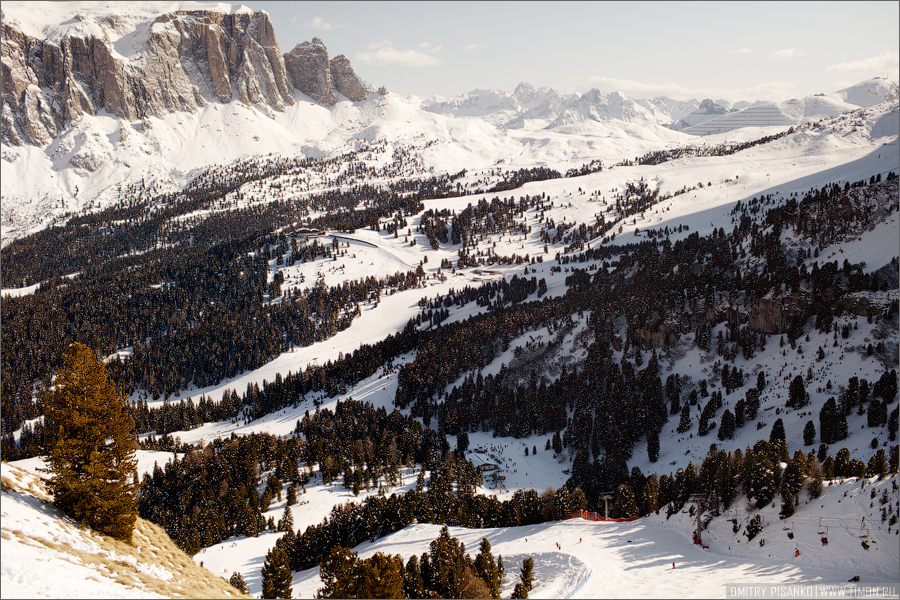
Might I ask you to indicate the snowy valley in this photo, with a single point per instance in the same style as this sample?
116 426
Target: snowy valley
349 322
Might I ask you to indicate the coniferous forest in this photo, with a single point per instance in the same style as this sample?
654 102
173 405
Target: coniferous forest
269 329
198 300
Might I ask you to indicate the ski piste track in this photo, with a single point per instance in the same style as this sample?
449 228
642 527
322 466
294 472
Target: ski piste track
580 585
353 240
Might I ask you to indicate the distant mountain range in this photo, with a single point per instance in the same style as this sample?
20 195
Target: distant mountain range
528 107
95 95
65 60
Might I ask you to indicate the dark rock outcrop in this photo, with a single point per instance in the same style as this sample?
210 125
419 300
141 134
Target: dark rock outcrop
345 80
774 316
308 68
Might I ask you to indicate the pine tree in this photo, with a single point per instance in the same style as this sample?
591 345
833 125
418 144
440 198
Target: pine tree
684 424
777 431
489 570
413 586
444 573
842 463
827 422
757 475
651 494
809 434
337 571
794 474
653 445
286 522
380 576
526 578
877 413
292 495
90 442
726 431
625 506
276 575
893 425
815 482
787 508
238 583
797 396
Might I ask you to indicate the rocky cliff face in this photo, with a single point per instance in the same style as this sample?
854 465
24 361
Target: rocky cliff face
345 79
307 66
135 67
321 79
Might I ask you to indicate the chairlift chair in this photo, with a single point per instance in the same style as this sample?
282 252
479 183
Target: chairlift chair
863 530
823 529
788 526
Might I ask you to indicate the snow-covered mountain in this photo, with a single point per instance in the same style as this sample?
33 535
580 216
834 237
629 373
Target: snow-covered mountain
595 105
86 162
669 110
62 61
530 108
712 119
73 132
707 110
565 190
503 109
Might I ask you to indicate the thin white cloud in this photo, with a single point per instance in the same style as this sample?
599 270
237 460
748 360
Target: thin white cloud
741 51
386 55
426 47
474 46
886 62
316 23
786 53
772 90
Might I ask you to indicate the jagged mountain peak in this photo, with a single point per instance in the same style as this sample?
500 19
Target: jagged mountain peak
710 106
595 105
524 89
134 65
307 67
146 59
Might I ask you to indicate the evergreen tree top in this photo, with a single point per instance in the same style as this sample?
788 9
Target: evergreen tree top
90 443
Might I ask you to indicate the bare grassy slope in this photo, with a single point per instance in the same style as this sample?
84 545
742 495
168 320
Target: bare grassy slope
39 544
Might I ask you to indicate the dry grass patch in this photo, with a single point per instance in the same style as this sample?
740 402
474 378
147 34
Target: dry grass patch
24 483
152 562
7 484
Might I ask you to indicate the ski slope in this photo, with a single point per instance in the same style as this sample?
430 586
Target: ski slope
594 559
634 560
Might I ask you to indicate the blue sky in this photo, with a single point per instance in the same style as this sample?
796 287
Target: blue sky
729 50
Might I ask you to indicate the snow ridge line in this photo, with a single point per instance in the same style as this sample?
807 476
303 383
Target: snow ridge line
355 240
580 585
